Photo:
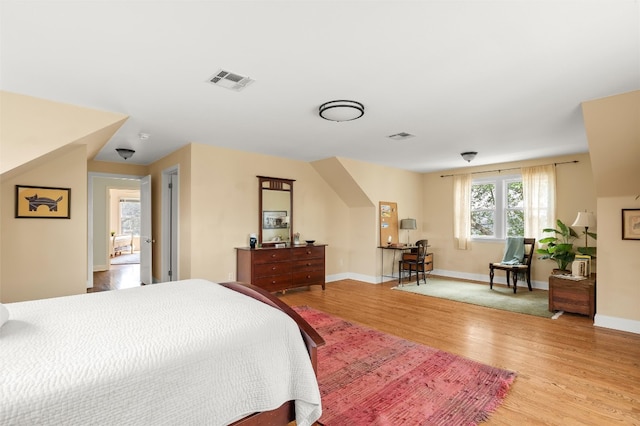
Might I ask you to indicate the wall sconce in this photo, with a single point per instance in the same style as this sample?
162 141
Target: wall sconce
587 220
468 156
125 153
408 224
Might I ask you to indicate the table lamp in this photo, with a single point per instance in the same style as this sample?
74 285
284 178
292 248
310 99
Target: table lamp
408 224
587 220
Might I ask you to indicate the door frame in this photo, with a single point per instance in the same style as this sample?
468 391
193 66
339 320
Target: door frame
170 224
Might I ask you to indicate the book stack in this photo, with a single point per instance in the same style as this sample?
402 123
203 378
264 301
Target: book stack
581 266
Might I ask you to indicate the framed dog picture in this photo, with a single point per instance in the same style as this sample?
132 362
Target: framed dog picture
43 202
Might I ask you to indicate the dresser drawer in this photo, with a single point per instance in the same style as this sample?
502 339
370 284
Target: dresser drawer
275 255
308 277
308 265
274 283
308 252
273 268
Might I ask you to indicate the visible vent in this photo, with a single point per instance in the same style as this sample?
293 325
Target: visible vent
401 136
230 80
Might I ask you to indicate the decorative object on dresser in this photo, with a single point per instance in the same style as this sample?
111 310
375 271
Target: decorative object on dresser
573 294
279 269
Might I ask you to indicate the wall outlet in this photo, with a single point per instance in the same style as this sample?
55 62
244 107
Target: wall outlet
230 277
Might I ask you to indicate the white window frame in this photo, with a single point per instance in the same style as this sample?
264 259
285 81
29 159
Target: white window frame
500 223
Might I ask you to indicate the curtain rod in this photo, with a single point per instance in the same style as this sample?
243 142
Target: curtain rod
512 168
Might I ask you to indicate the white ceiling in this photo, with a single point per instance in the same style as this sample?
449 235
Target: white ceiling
502 77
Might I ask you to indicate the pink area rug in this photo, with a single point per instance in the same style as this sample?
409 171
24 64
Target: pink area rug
367 377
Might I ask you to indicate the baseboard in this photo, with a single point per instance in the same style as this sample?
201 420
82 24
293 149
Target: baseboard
615 323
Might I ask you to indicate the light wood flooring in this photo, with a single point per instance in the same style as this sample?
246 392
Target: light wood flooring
569 372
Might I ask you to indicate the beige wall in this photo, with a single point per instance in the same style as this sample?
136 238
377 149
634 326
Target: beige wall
46 257
613 131
574 194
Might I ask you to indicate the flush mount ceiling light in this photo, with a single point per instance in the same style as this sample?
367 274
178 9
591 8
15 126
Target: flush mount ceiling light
341 110
125 153
468 156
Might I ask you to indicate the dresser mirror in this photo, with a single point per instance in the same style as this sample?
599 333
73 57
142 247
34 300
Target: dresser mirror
276 211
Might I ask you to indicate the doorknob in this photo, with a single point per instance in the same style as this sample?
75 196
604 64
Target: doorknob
149 240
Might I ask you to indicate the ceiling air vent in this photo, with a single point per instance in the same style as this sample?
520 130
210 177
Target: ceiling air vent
230 80
400 136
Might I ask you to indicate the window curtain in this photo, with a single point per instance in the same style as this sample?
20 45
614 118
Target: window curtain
539 192
462 211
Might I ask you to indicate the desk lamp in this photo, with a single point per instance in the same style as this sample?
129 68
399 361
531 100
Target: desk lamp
408 224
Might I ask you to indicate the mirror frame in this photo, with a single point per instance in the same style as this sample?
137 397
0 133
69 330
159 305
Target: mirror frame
266 183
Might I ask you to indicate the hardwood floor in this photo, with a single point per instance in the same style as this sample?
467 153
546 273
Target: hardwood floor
569 372
118 277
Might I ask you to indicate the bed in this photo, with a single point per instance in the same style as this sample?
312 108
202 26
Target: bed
185 352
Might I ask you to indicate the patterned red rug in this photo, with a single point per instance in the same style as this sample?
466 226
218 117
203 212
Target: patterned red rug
367 377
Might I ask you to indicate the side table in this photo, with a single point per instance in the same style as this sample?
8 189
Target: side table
575 296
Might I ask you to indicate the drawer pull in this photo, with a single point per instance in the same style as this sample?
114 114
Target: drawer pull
308 251
273 269
273 255
308 277
308 264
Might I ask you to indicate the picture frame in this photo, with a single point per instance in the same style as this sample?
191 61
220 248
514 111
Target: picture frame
631 224
274 219
42 202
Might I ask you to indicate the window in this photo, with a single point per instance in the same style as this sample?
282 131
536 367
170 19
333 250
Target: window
130 216
497 207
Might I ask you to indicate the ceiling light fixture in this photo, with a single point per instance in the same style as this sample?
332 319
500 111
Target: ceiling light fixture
125 153
341 110
468 156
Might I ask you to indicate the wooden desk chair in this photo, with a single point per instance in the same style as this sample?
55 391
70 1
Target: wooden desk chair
524 267
414 261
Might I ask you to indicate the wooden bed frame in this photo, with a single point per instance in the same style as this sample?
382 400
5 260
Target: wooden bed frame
286 412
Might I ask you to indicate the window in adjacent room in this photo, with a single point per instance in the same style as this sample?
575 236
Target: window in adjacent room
130 216
497 207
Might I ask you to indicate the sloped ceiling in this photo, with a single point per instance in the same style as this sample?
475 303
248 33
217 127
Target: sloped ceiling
613 131
505 78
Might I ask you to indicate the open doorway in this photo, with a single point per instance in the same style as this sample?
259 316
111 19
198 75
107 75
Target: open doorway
124 224
115 207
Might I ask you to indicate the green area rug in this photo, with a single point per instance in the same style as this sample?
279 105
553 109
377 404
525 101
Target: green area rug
534 302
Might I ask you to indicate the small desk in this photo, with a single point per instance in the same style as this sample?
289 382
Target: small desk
395 249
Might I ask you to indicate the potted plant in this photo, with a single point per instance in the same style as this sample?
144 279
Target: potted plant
559 247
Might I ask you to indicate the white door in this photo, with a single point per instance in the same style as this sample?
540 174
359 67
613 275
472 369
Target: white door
146 240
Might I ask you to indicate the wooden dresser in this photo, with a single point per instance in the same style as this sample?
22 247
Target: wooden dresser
276 269
578 297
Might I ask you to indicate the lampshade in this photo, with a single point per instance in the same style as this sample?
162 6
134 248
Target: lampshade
408 224
469 155
125 153
341 110
585 219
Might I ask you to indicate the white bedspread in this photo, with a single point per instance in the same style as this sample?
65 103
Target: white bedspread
183 353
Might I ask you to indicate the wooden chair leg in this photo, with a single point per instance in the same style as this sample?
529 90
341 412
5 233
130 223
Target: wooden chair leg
515 281
491 276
